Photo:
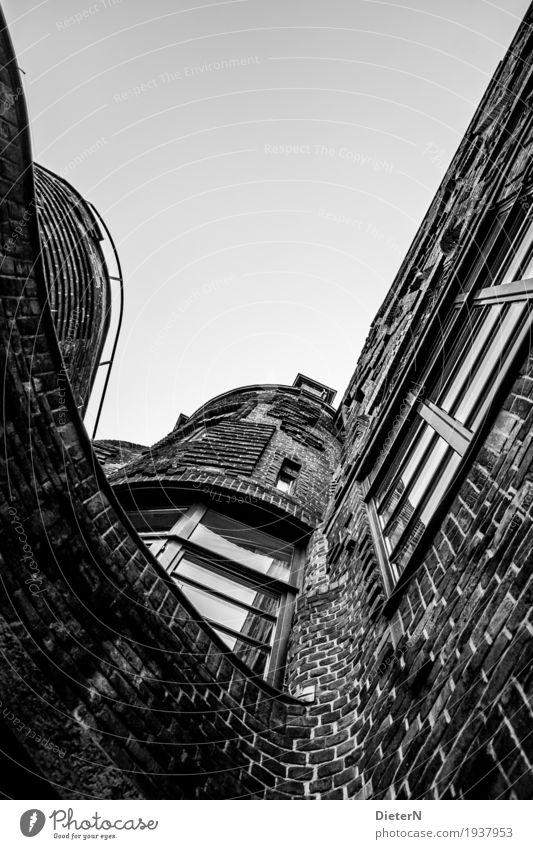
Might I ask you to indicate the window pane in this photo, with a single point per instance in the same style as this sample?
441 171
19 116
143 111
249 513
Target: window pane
414 494
480 269
466 354
314 390
153 542
446 342
243 544
229 615
421 438
155 520
393 463
520 259
436 495
490 362
256 658
222 584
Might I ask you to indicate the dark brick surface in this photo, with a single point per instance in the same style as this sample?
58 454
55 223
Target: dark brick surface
429 700
434 709
140 706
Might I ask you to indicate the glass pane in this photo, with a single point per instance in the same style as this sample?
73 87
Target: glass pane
521 265
229 615
489 363
421 441
244 544
169 552
445 344
438 492
222 584
152 542
256 658
156 520
466 355
480 271
393 463
414 494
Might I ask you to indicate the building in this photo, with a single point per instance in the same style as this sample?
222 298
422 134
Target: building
281 600
228 501
77 276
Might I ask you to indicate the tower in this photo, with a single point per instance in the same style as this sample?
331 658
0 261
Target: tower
228 501
77 278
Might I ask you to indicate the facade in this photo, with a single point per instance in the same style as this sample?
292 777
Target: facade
77 277
279 600
228 501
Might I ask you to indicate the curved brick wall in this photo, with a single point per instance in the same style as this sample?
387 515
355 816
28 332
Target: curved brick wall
77 278
429 700
134 695
238 442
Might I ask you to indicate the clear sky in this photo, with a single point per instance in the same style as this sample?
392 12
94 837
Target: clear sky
262 165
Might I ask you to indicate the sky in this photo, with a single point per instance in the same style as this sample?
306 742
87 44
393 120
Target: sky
262 165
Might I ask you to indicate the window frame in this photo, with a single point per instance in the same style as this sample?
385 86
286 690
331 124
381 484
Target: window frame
288 473
465 441
176 543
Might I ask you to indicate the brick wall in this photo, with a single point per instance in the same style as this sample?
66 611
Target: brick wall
238 443
430 700
433 699
77 278
102 658
435 702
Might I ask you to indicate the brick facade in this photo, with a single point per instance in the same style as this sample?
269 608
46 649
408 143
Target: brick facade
425 696
435 695
136 696
77 278
237 443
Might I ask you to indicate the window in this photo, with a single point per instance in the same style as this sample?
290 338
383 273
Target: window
161 519
314 390
485 333
287 476
241 579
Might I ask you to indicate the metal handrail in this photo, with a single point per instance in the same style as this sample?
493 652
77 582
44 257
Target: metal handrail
118 278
